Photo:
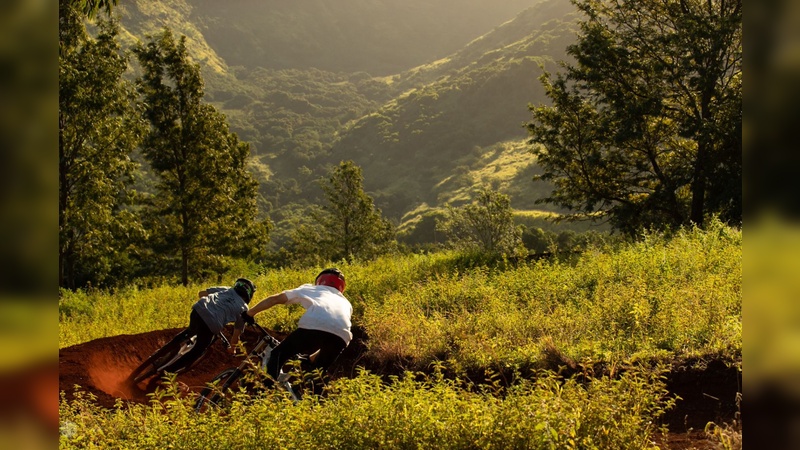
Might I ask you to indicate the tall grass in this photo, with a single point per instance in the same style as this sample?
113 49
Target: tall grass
660 297
656 299
365 412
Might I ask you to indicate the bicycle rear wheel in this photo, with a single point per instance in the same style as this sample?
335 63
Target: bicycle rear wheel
214 393
162 358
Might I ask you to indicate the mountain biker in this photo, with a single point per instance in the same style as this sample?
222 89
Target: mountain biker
216 307
323 331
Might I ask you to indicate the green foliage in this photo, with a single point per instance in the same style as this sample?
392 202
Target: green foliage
487 224
659 298
364 412
662 297
205 206
99 126
350 227
90 8
428 133
628 305
646 126
407 131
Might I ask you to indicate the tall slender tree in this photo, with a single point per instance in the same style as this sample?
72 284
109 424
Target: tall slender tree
347 226
645 126
99 126
354 227
204 209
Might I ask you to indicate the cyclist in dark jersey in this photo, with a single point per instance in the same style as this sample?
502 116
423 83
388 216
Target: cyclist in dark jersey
217 306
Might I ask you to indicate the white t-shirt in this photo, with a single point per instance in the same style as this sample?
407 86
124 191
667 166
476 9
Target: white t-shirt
326 309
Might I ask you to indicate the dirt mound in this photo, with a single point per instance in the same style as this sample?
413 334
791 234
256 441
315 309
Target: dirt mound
100 367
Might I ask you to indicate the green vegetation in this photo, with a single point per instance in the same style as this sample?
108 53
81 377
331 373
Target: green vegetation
407 130
631 307
203 209
431 139
646 127
677 296
348 226
485 338
486 225
99 127
364 412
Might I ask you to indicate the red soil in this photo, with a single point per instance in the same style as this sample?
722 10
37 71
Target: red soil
100 367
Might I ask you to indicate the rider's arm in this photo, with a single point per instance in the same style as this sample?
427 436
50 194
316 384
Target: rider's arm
269 302
237 332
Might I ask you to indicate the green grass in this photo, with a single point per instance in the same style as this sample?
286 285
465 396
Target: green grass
631 305
661 297
366 412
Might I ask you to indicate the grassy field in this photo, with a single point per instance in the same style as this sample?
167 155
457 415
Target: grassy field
637 306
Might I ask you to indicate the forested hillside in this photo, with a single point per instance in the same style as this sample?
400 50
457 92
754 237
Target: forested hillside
455 110
376 36
421 110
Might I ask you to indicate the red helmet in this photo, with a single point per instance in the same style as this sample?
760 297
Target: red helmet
331 277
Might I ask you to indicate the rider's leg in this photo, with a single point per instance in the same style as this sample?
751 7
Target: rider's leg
330 349
304 341
180 337
204 335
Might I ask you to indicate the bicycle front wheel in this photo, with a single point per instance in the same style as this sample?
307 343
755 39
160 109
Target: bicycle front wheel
217 388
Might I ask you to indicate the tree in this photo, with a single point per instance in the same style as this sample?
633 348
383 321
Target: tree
205 206
645 127
486 225
348 225
86 8
99 126
355 227
90 8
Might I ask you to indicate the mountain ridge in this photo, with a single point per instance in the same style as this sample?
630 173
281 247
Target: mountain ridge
420 135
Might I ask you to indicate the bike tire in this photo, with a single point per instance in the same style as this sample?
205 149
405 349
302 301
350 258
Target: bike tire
146 369
217 387
162 357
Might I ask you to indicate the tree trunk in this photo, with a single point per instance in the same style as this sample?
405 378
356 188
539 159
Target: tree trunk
63 197
699 185
184 266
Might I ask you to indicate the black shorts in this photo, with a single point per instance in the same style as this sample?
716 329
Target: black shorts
305 341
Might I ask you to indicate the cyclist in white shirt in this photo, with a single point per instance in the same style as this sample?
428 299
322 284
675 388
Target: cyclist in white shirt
323 329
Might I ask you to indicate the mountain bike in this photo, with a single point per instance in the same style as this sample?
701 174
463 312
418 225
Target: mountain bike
157 363
250 372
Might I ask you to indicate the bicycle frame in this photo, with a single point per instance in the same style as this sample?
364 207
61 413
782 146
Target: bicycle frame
261 352
185 347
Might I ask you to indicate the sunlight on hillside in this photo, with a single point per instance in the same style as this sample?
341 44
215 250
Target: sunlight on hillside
172 15
498 167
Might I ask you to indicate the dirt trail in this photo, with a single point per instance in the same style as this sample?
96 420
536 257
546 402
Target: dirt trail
100 367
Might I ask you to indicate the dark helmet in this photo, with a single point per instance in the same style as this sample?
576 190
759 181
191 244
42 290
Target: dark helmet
245 288
331 277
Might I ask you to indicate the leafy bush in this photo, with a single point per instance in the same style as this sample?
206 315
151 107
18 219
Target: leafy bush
407 412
